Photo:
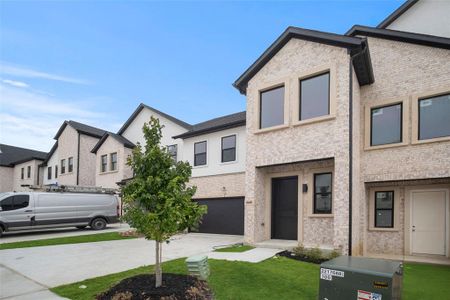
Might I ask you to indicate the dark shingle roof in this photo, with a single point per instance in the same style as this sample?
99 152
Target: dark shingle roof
217 124
124 141
141 107
11 155
82 128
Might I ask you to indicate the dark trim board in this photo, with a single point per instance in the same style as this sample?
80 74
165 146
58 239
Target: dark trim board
224 216
397 13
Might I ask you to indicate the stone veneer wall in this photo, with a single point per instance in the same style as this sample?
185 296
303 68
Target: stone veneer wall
298 143
218 186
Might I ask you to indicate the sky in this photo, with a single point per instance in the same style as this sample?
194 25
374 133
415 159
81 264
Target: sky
95 61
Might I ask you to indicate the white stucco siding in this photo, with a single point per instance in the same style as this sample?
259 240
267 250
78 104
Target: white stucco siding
6 179
427 17
214 165
52 162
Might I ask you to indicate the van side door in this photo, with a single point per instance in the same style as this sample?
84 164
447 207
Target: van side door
17 211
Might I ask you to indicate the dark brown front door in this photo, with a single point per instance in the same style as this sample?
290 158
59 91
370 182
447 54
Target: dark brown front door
285 208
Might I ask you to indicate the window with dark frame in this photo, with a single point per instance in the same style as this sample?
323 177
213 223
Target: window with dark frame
49 173
29 172
63 166
314 96
173 149
323 193
22 173
15 202
386 124
103 163
271 107
113 161
70 164
384 209
200 153
56 171
434 120
229 148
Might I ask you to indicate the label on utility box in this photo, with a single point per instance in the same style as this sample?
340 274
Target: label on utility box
364 295
327 274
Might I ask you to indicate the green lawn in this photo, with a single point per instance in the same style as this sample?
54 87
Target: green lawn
235 248
99 237
276 278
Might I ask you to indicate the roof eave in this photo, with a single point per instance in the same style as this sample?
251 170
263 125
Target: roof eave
190 134
397 13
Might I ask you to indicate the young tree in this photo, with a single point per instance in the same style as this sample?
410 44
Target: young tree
157 201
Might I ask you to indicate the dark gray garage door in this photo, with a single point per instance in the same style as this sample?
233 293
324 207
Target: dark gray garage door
225 216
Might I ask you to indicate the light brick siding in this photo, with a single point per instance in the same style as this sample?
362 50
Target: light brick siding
7 179
68 147
217 186
87 160
33 180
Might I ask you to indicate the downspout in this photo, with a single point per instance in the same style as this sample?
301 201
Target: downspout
78 160
350 155
37 181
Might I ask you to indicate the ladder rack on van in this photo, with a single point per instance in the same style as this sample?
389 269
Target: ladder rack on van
76 189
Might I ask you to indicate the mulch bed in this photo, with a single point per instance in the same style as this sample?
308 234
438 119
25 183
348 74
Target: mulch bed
174 287
305 258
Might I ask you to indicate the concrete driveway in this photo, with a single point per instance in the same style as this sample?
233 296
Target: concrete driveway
51 266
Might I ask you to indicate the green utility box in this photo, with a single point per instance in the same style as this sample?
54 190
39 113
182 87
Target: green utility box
360 278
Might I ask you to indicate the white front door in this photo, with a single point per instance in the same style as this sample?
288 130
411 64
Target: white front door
428 222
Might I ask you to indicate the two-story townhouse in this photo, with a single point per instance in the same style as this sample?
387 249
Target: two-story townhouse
216 151
348 142
112 149
19 168
70 161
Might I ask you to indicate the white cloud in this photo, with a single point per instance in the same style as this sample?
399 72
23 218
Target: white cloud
15 83
9 69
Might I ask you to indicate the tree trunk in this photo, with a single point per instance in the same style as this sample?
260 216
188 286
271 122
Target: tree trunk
158 271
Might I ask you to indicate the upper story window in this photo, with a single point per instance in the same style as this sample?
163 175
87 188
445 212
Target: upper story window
200 153
22 173
384 209
229 148
271 107
49 173
56 171
63 166
114 161
314 96
29 172
434 117
173 149
15 202
323 193
70 160
386 125
103 163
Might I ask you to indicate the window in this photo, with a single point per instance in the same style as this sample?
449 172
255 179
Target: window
229 148
63 166
29 172
322 193
200 153
15 202
70 160
172 149
315 96
103 163
114 161
56 171
271 107
384 209
386 125
434 120
49 173
22 173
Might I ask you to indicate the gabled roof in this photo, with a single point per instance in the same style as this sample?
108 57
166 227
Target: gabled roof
11 155
397 13
119 138
401 36
217 124
355 45
140 108
82 128
49 155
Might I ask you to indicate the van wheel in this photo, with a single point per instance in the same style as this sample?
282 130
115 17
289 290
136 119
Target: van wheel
98 224
1 231
81 227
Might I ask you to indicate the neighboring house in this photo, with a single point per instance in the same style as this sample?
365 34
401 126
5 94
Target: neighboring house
424 16
70 161
19 168
112 149
216 151
348 142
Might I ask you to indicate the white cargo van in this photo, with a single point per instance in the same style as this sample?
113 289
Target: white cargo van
37 210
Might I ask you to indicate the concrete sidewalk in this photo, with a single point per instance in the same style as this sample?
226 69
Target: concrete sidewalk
254 255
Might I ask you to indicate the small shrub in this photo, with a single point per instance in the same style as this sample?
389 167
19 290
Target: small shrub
299 250
123 296
333 254
315 254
